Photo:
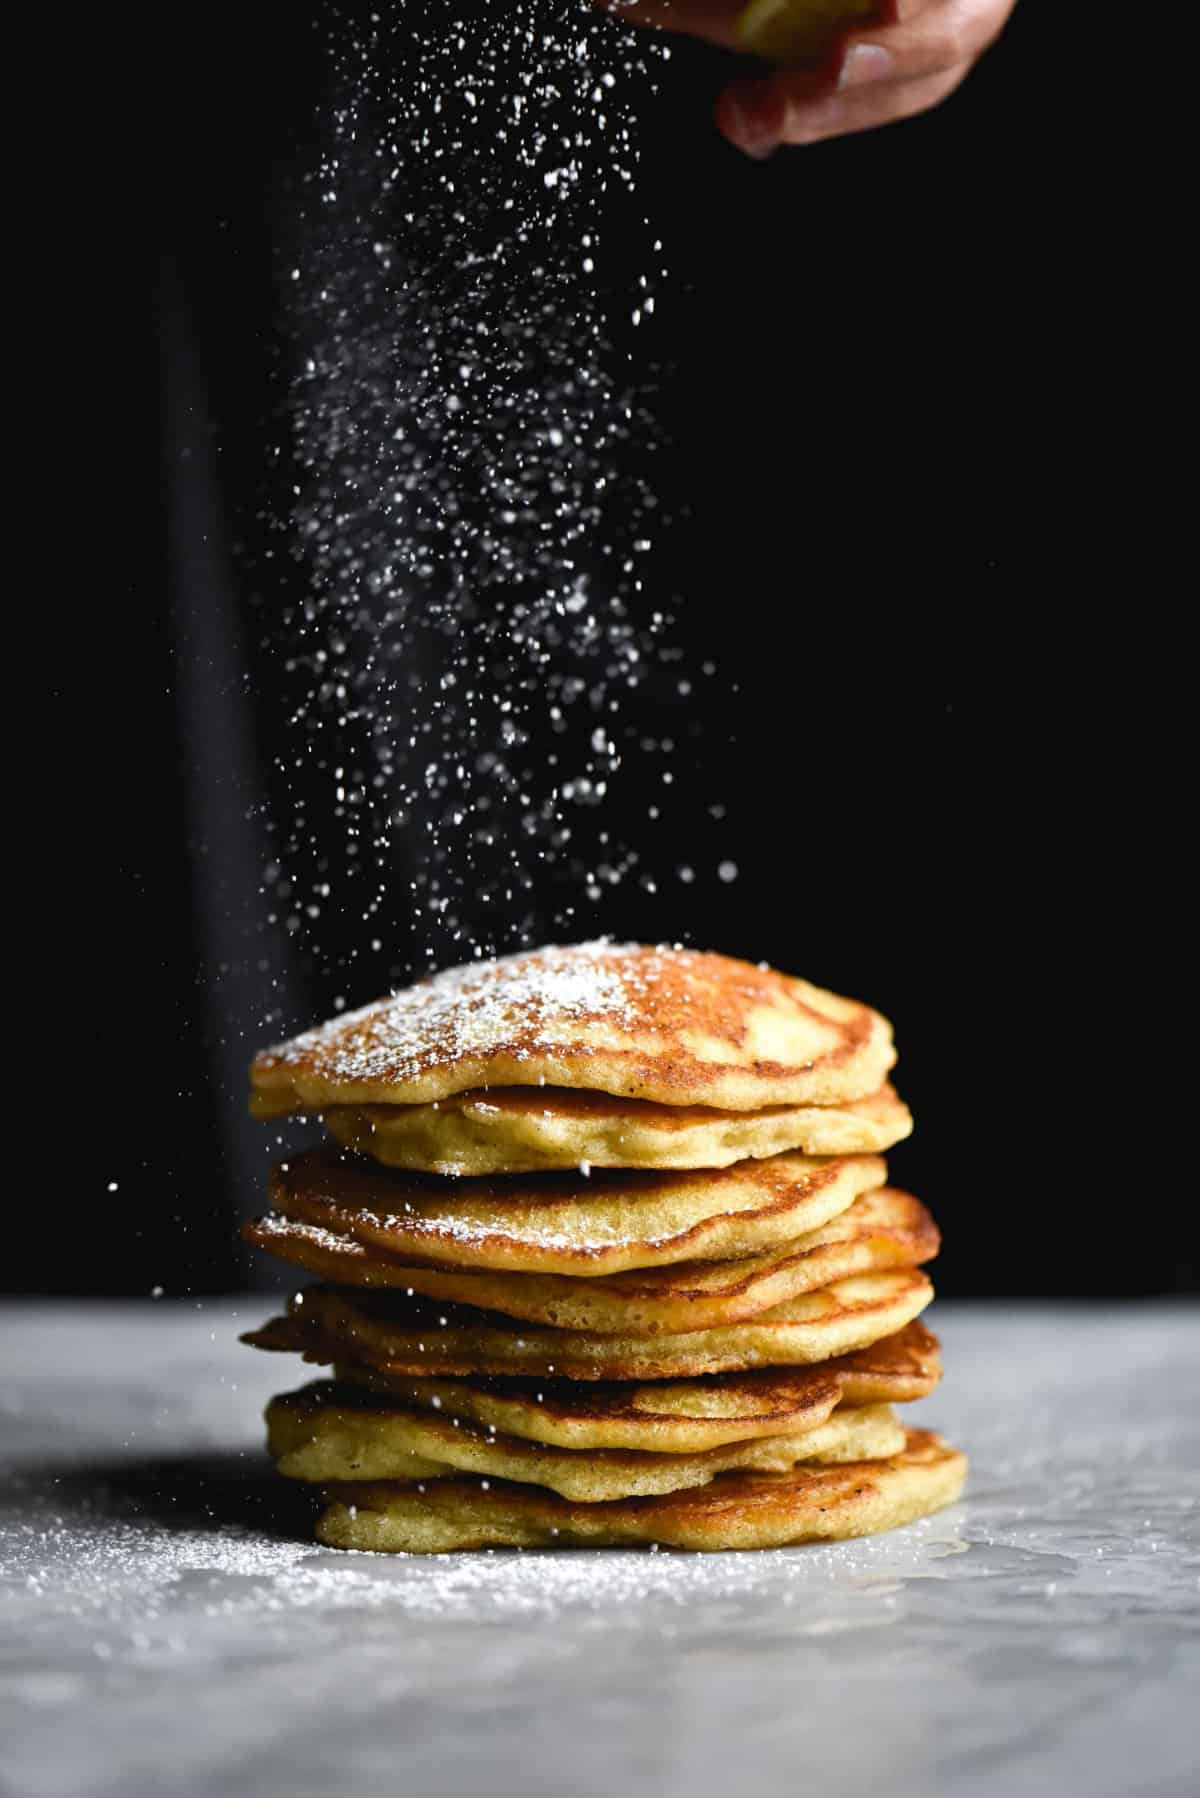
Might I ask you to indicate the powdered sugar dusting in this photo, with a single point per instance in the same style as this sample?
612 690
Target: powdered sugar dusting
513 1004
590 1231
315 1234
601 1231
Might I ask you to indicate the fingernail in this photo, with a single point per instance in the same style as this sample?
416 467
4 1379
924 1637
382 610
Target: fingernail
747 132
866 63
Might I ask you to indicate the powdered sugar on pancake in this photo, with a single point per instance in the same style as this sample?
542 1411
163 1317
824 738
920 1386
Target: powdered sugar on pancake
511 1003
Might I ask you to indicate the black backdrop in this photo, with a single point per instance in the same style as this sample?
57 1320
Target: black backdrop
896 391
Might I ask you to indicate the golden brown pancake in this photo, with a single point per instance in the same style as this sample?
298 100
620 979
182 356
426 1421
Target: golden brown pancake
670 1025
675 1417
883 1229
522 1129
734 1511
547 1224
399 1335
325 1433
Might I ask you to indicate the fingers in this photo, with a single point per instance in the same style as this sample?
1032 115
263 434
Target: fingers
912 59
761 125
885 74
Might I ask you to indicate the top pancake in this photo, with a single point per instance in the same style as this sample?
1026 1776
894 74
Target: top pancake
673 1026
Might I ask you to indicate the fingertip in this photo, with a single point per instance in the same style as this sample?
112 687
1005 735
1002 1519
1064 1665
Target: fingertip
750 114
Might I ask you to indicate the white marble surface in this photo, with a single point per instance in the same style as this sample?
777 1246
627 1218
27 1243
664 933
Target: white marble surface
167 1629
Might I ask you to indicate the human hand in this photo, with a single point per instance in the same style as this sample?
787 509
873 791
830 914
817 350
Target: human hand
911 59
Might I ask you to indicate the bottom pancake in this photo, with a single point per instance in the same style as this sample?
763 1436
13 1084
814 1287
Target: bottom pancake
327 1433
735 1511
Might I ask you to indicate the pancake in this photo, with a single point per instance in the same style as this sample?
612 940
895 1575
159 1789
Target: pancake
883 1229
587 1228
325 1433
399 1335
675 1417
734 1511
522 1129
670 1025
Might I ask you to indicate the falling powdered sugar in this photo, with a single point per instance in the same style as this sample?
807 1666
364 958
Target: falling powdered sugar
464 602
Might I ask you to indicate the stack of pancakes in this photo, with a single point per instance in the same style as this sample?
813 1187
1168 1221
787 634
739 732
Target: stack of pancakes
606 1255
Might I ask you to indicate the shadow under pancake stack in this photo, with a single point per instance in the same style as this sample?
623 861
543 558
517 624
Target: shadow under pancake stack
605 1254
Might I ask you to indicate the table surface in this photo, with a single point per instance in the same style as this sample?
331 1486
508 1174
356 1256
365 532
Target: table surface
167 1628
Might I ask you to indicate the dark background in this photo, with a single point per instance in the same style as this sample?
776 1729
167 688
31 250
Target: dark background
905 388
